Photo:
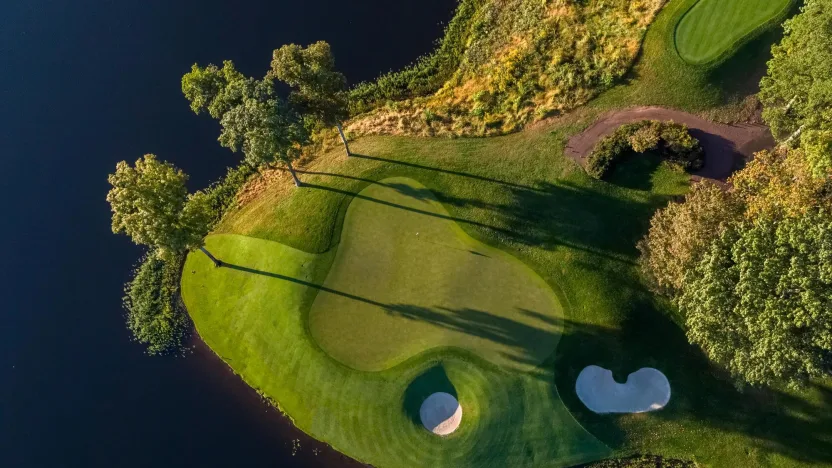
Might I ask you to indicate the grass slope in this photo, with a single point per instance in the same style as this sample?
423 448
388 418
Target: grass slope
253 312
406 279
712 28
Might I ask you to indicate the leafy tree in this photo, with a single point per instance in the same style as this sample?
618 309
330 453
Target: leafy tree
151 205
215 90
681 233
779 184
266 132
759 300
154 315
797 92
253 118
318 90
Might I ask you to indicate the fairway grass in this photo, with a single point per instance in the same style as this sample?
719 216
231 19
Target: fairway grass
252 313
405 267
712 29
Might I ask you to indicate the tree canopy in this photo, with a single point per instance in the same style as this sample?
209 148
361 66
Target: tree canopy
751 268
317 88
151 204
253 118
797 92
759 300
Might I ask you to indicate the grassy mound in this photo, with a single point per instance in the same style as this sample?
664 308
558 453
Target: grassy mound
712 29
406 267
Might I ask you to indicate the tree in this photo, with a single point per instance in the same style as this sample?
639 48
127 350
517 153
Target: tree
318 90
253 118
759 301
266 132
797 91
151 205
681 232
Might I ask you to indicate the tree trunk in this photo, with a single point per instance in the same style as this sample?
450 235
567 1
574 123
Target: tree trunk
217 263
794 135
343 138
297 181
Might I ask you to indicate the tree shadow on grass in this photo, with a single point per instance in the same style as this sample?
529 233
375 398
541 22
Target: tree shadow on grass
446 171
431 381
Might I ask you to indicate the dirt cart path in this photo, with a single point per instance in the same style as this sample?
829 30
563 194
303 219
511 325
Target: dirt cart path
724 144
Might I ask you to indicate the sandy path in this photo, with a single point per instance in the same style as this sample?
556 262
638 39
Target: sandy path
724 144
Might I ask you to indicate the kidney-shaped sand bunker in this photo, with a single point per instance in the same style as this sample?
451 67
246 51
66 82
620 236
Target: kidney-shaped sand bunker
646 389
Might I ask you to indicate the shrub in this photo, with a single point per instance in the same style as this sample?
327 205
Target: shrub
672 141
223 193
154 314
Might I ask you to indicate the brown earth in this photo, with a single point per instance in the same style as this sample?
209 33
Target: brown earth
726 146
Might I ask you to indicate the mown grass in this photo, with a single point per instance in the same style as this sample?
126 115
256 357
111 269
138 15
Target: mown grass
405 267
520 194
712 28
252 313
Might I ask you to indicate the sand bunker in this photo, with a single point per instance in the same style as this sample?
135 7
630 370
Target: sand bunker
646 389
441 413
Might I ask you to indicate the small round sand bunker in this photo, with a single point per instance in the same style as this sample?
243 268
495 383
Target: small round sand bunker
646 389
441 413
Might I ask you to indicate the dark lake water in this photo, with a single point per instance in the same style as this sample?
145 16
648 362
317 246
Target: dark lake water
84 84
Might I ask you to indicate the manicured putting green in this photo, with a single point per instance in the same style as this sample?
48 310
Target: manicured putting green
406 279
711 28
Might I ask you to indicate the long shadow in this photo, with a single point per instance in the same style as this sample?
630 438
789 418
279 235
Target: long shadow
406 208
446 171
303 283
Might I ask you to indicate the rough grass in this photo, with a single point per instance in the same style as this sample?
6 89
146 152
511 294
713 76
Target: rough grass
407 279
523 60
712 28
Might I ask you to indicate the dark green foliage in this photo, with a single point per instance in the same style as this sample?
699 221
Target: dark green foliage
425 76
154 315
673 142
222 195
642 461
758 302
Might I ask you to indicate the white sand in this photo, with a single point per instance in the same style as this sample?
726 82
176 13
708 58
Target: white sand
441 413
646 389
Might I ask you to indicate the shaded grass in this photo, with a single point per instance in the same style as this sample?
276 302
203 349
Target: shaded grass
712 28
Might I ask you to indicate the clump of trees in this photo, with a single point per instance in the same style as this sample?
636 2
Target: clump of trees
751 267
670 140
151 204
797 92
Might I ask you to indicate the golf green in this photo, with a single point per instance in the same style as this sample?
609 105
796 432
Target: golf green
712 28
255 314
406 267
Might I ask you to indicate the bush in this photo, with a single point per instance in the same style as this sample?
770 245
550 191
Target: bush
642 461
673 142
223 193
154 314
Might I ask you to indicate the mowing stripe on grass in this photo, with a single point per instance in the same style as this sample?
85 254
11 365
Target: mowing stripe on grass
711 29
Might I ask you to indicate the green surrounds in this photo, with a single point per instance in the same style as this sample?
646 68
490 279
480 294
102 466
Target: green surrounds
712 30
253 313
407 278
